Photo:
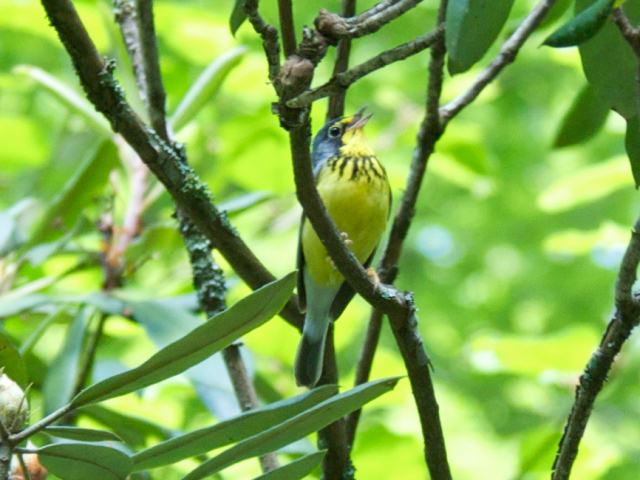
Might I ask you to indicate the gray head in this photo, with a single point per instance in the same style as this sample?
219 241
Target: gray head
328 140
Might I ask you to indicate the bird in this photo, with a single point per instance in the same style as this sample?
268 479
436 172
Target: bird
355 190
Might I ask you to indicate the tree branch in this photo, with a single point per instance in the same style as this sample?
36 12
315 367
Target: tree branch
506 56
337 99
287 27
153 92
269 36
164 160
336 464
363 368
625 319
628 31
341 81
334 26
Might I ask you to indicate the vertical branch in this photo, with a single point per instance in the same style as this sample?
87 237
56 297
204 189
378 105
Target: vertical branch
624 320
363 367
287 27
5 452
336 101
153 92
209 283
428 135
336 464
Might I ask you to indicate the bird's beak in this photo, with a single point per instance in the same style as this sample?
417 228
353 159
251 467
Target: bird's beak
359 120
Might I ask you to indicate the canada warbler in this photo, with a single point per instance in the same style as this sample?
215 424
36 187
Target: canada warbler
355 190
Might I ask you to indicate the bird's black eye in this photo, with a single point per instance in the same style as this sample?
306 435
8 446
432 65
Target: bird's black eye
334 132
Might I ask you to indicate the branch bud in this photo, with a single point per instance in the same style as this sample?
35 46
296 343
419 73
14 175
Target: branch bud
14 409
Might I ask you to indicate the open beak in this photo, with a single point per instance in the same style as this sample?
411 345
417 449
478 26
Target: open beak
360 119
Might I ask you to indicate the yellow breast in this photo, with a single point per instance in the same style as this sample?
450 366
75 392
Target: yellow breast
356 193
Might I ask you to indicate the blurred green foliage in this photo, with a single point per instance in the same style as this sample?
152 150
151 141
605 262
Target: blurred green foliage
512 255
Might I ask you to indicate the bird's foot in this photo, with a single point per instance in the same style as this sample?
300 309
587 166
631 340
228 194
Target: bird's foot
373 276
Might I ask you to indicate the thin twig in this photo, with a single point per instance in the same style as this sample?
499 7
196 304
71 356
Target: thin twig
337 99
507 55
89 356
164 160
246 394
363 367
40 425
26 475
5 451
629 32
335 26
625 319
5 459
336 464
287 27
269 36
208 280
342 80
153 92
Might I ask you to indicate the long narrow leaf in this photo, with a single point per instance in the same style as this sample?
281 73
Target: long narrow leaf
81 461
295 470
229 431
295 428
205 87
63 370
73 100
82 434
88 181
582 27
200 343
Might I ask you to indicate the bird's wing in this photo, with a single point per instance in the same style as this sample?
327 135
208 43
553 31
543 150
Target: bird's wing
302 293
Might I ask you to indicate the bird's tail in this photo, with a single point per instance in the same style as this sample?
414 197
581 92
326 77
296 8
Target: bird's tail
311 350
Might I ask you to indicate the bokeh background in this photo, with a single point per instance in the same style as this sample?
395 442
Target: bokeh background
512 255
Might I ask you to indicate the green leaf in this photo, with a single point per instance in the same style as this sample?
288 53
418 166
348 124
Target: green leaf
297 469
202 342
584 119
582 27
82 461
238 16
632 145
90 178
610 65
71 99
11 362
471 27
11 304
295 428
82 434
205 87
63 372
229 431
135 431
